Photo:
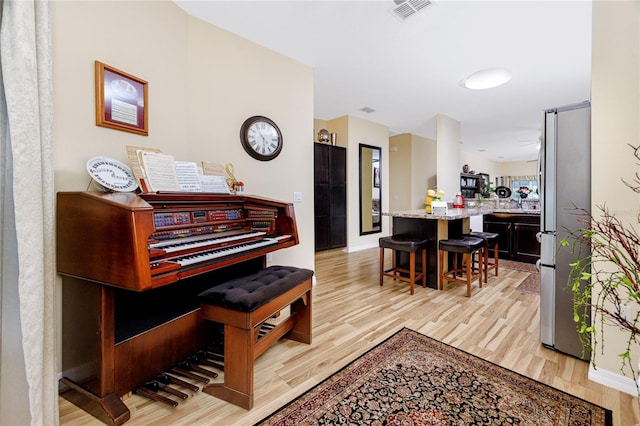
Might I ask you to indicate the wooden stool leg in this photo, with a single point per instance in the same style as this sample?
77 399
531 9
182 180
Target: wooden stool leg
424 268
486 263
495 257
412 270
469 272
441 269
480 268
381 265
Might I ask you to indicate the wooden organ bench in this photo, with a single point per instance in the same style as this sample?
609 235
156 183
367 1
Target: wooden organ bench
243 305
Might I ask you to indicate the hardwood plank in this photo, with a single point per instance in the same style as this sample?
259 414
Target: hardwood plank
352 313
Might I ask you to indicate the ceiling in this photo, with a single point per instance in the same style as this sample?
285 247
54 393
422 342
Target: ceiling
411 70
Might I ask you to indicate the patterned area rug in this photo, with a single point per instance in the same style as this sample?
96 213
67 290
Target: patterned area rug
531 284
411 379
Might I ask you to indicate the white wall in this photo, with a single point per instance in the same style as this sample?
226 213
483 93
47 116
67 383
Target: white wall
448 148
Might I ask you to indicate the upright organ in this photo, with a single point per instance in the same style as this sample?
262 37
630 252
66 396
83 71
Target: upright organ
132 266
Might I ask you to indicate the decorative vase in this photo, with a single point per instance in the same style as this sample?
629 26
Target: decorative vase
523 195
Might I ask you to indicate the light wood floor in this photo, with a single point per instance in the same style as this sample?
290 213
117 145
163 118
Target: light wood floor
352 313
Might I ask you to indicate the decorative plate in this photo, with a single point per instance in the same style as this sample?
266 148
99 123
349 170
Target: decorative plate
112 174
503 192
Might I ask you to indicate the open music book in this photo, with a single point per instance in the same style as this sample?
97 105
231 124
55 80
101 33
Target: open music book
157 171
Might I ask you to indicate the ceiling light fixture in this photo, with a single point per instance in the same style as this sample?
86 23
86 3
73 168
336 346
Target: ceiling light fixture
487 79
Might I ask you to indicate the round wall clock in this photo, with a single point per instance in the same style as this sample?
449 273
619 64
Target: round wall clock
261 138
111 174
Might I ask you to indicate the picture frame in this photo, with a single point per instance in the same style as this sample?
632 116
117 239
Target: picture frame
121 100
376 177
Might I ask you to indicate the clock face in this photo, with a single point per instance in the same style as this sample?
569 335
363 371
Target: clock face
261 138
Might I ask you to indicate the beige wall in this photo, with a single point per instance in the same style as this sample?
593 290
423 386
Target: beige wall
518 168
369 133
203 83
480 164
408 184
400 176
615 124
423 169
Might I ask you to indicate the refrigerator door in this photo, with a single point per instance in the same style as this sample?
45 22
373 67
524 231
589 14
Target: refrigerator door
573 190
547 305
548 249
548 178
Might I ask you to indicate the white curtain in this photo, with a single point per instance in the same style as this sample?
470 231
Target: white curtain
28 386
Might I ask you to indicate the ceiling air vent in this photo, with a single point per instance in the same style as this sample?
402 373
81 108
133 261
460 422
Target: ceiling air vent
406 8
368 110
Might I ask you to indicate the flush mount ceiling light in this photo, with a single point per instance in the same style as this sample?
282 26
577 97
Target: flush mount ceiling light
487 79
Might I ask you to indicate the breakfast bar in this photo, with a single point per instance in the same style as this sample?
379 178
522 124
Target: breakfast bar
420 224
435 227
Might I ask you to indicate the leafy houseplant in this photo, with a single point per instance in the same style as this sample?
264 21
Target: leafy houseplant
608 281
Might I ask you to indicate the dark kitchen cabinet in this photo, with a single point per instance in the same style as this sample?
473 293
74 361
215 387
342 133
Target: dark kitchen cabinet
517 235
472 184
330 196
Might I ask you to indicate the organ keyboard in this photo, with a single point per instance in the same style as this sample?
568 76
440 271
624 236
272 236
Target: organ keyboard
132 266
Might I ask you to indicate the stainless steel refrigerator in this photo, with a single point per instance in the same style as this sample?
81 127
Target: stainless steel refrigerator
564 180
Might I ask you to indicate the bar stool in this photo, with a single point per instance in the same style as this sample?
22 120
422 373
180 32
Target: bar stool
409 245
491 240
467 246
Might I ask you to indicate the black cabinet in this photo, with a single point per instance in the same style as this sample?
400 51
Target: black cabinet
330 196
517 235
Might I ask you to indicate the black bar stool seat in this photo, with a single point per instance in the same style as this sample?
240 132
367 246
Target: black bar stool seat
491 239
409 245
465 246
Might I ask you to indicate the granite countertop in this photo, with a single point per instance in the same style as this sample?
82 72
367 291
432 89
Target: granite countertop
453 214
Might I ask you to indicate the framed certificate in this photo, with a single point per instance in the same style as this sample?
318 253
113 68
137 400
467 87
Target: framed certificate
121 100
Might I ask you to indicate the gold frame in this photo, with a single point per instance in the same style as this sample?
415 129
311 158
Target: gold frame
134 117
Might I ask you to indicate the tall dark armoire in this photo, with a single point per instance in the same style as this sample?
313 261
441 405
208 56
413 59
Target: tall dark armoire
330 194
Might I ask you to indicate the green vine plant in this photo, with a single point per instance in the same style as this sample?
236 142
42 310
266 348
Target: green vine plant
607 282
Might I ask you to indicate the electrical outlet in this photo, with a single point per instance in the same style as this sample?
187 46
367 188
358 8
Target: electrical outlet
625 310
269 257
297 197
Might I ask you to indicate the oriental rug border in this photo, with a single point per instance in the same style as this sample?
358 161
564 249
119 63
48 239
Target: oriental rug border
413 379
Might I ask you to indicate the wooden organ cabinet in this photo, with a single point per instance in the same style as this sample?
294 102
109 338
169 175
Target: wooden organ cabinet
132 267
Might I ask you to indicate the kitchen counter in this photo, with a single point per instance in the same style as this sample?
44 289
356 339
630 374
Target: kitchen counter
453 214
420 224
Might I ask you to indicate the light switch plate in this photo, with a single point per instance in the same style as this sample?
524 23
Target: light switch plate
297 197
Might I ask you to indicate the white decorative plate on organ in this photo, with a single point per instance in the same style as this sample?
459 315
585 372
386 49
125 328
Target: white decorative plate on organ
112 174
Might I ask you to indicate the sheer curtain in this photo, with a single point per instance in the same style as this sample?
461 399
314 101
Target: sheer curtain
28 388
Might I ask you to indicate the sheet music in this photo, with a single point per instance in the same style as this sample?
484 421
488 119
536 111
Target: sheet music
160 171
188 176
134 162
214 184
212 169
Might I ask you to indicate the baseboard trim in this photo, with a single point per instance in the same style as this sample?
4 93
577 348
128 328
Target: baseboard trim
613 380
362 247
